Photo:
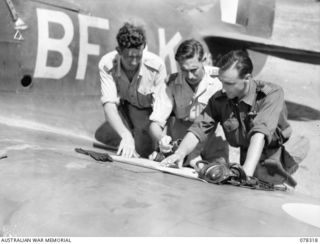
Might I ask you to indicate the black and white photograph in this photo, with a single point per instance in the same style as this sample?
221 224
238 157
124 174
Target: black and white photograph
159 118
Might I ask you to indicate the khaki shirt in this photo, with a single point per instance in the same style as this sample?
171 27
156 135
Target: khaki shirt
140 91
178 97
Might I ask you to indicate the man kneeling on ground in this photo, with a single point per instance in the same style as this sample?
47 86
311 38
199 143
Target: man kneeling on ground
253 115
185 96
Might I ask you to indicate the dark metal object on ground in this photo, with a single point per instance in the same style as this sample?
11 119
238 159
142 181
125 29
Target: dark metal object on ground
221 173
104 157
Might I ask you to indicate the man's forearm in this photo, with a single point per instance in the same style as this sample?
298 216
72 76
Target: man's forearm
156 131
189 142
257 142
114 119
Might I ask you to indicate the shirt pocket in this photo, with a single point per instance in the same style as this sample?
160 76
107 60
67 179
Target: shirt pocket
145 100
182 111
195 110
231 129
144 93
231 124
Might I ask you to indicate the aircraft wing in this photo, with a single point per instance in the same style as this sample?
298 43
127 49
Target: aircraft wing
263 45
47 189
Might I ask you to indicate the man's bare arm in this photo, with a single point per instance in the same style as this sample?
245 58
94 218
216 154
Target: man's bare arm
257 142
189 142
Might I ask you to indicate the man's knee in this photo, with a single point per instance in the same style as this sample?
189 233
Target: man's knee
107 135
143 142
298 147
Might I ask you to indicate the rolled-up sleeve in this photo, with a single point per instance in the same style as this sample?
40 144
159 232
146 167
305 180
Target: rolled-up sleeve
108 87
206 122
267 117
163 105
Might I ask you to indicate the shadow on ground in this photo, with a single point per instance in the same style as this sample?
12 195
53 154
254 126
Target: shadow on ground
301 112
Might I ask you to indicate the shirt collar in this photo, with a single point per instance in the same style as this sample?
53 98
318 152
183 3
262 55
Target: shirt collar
251 95
202 87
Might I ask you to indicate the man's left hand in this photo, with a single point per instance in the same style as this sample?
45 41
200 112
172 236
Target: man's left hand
164 144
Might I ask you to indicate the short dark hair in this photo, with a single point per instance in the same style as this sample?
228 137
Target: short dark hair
240 59
188 49
131 36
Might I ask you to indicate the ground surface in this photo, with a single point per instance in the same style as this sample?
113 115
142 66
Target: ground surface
49 190
297 25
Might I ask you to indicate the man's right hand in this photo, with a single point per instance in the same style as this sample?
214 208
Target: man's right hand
174 159
127 146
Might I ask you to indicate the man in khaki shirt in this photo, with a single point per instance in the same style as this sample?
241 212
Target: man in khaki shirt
185 96
129 78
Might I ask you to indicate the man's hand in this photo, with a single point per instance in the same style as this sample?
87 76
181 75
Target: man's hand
174 159
153 155
157 156
127 147
164 144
